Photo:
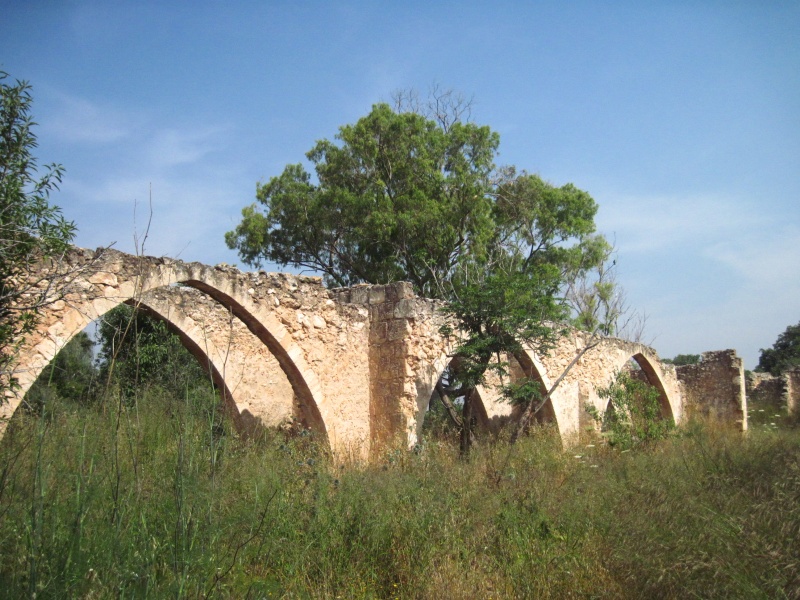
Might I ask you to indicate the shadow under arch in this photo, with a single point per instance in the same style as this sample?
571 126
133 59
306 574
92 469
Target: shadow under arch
653 378
546 415
289 366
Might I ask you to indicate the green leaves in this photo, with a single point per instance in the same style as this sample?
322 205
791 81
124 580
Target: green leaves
401 196
31 229
784 354
398 198
633 415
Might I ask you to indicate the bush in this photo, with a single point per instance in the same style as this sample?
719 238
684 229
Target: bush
633 413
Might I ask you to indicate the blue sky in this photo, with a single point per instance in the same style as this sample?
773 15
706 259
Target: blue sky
682 119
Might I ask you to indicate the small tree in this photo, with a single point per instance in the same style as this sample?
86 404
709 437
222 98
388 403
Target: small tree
784 354
633 413
683 359
31 229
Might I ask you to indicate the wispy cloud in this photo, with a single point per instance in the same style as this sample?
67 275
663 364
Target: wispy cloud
656 223
768 256
76 120
172 147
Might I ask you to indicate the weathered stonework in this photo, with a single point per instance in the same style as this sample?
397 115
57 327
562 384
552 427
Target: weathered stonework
356 365
780 392
716 387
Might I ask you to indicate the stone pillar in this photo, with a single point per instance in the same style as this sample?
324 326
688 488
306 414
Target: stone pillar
716 387
392 401
792 391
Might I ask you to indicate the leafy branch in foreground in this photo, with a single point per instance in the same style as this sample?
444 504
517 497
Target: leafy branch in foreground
31 229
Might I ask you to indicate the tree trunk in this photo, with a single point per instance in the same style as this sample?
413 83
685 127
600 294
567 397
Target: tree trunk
529 410
466 425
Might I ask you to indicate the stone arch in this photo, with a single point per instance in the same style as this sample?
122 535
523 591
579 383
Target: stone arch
614 355
258 392
426 388
111 278
491 411
654 378
531 367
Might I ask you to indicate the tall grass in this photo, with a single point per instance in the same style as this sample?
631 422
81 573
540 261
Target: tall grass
150 498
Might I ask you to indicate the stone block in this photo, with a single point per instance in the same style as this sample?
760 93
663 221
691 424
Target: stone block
359 294
397 330
377 294
405 309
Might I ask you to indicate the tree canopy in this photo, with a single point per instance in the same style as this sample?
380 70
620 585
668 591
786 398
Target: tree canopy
137 350
406 196
784 354
402 197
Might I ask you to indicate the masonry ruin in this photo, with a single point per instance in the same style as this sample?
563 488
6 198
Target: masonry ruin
358 365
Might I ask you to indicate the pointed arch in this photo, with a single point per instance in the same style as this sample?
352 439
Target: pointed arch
653 376
117 278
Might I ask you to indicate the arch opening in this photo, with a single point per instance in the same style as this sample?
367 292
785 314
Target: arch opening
125 357
648 373
439 415
79 313
492 410
545 415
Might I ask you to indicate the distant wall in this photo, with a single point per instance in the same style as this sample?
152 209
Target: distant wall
715 387
766 389
781 392
793 391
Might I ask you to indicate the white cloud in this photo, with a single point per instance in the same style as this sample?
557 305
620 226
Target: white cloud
76 120
656 223
768 256
172 147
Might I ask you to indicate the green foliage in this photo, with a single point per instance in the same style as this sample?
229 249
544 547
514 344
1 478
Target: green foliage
31 229
71 375
784 354
407 197
633 415
139 350
400 198
683 359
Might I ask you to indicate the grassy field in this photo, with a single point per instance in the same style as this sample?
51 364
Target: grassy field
154 498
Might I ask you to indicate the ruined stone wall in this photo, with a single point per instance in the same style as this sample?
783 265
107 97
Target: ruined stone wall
333 337
360 363
404 348
766 389
716 387
793 391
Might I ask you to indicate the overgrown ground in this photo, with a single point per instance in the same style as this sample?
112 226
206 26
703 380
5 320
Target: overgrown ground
153 498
